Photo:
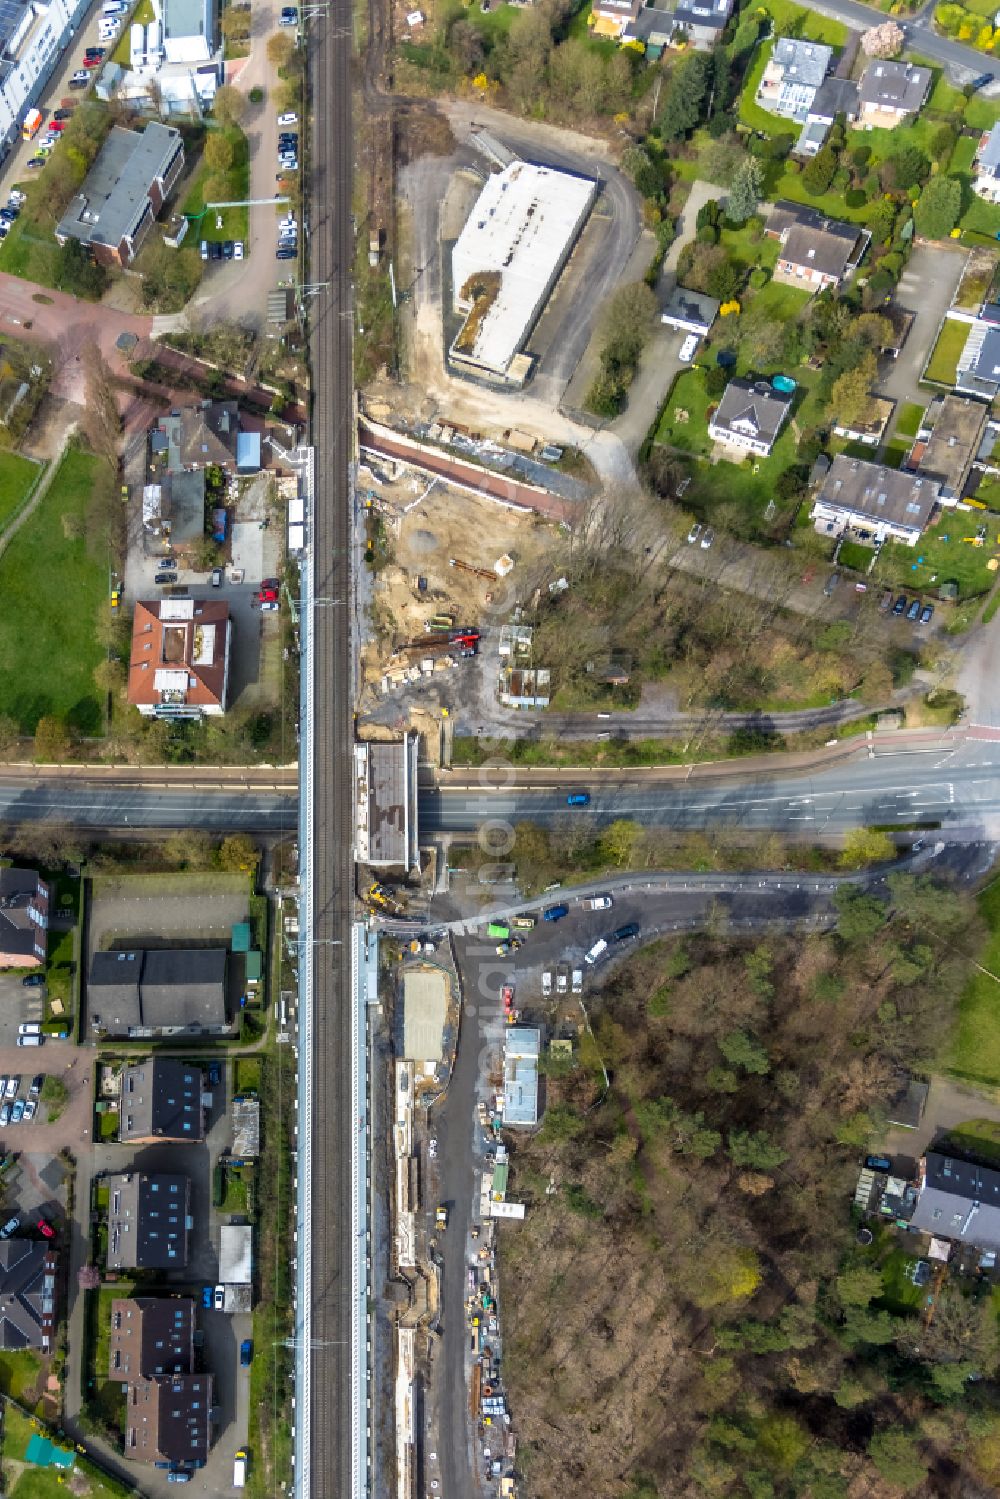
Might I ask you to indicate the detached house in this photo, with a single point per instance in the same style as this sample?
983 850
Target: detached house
816 252
889 93
792 77
24 918
750 416
958 1200
27 1293
179 666
986 166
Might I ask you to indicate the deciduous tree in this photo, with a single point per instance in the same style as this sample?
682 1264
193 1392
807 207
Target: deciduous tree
938 208
229 105
885 40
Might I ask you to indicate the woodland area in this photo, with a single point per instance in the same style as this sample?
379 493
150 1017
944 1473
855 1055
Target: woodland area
688 1309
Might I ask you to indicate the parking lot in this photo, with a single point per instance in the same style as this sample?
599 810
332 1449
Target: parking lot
18 1004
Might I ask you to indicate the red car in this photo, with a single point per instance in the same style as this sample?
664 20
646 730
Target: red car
93 60
57 126
267 596
46 1229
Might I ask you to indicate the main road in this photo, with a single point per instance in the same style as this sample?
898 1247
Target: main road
327 1443
921 37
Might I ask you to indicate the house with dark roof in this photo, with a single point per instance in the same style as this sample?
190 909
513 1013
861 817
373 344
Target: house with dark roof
986 166
161 1100
24 918
158 992
149 1217
123 192
168 1420
860 496
792 77
835 96
179 665
978 370
151 1336
690 311
889 93
27 1293
958 1200
749 416
819 253
700 22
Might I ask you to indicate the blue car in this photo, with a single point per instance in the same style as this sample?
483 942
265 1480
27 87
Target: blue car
207 1293
555 913
246 1353
578 799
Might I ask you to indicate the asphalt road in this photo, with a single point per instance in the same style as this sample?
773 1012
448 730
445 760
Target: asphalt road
921 37
330 1396
957 787
86 805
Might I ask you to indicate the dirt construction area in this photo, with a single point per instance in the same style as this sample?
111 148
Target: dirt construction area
426 527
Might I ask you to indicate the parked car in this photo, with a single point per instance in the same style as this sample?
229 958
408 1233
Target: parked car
578 799
577 981
219 1298
206 1297
4 1115
546 983
29 1028
927 614
93 59
562 981
80 79
285 254
17 1113
165 577
33 981
45 1229
831 584
885 601
30 1110
204 249
289 16
56 127
214 249
10 1227
11 212
598 950
34 163
288 119
178 1475
625 933
598 903
4 228
214 1074
878 1163
914 610
688 348
36 1085
900 604
238 250
61 115
229 248
246 1353
707 538
555 913
30 1040
216 577
11 1087
694 533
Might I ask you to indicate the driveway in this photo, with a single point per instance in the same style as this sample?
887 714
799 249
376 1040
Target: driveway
74 1066
926 288
948 1104
16 1005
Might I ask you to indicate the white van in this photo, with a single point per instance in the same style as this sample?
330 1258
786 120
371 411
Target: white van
30 1040
29 1028
599 947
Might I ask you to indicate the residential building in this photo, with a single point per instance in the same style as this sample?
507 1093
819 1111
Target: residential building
986 166
699 23
792 77
158 992
385 778
168 1421
890 92
27 1293
149 1217
188 29
867 429
151 1336
161 1100
609 18
835 96
24 918
179 666
192 437
690 311
654 27
816 252
978 369
886 503
520 1075
958 1200
33 37
750 416
123 192
947 443
507 260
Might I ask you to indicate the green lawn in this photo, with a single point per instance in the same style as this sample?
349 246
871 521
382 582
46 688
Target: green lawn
751 113
247 1078
103 1395
989 493
974 1051
942 556
41 1483
30 250
855 556
19 1373
980 1137
900 1294
779 301
944 359
962 156
793 20
237 188
17 475
580 31
52 589
493 25
981 217
909 419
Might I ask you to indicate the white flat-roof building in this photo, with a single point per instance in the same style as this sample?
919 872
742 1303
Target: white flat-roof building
508 258
33 34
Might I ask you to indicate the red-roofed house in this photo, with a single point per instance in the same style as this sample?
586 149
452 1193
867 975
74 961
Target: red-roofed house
179 667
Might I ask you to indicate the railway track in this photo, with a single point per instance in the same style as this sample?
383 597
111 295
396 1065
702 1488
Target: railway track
332 1446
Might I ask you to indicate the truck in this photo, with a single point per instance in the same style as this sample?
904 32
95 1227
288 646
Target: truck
498 929
441 1216
240 1469
32 124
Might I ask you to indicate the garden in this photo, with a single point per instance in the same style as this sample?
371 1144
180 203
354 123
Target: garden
222 176
943 363
17 478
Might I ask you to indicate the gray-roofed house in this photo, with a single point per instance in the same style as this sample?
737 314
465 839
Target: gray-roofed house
161 1100
701 21
819 256
188 30
690 311
835 96
986 165
156 993
27 1293
947 442
209 433
24 918
123 192
149 1217
750 416
856 495
958 1200
978 369
793 74
151 1336
890 92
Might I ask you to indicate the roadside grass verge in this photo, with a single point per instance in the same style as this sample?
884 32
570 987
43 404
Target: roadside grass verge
52 587
974 1050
